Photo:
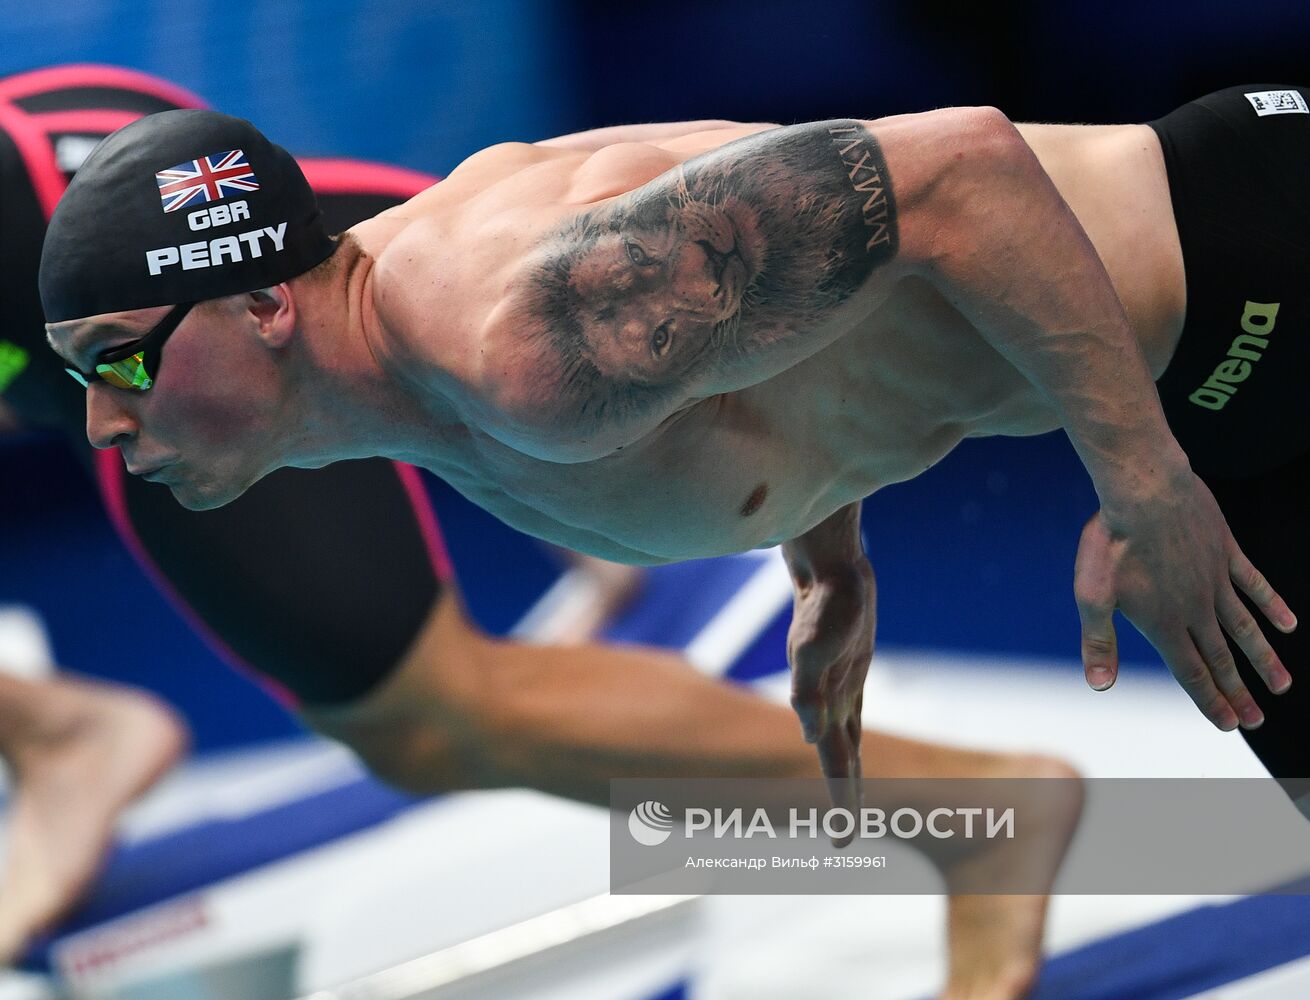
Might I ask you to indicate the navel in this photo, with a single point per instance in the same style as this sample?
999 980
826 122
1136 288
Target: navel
756 500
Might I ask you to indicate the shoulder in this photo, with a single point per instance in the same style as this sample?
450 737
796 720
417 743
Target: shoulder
496 164
438 291
478 283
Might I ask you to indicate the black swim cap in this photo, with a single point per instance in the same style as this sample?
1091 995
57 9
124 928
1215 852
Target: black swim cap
179 206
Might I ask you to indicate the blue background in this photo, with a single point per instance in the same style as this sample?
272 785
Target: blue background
976 555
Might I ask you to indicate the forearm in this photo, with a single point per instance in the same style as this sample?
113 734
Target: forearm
829 551
1014 260
830 642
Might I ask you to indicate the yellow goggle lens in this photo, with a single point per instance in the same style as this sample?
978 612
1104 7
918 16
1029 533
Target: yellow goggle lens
127 373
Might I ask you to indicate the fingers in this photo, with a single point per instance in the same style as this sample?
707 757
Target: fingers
839 758
1213 647
835 732
854 730
1255 586
1100 647
809 672
1245 630
1093 585
1191 665
810 705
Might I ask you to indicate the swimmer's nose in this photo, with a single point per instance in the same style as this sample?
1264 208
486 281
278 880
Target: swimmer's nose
108 423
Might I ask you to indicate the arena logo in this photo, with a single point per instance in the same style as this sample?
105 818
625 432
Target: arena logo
1257 324
651 823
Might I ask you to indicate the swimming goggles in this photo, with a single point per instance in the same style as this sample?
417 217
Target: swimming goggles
135 366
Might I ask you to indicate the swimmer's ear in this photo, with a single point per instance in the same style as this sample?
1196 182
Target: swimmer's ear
274 310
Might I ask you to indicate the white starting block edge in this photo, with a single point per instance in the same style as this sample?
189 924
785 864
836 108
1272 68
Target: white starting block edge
1284 982
24 643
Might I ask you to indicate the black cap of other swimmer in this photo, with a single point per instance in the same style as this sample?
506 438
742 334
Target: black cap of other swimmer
179 206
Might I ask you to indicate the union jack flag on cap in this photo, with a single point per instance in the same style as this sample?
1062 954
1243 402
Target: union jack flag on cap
206 179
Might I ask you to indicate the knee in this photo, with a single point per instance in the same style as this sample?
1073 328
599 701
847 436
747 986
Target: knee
418 759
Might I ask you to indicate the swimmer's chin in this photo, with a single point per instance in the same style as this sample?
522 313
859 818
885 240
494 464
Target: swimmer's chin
193 499
208 497
312 463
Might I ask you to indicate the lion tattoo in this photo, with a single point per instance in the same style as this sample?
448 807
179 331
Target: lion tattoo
748 243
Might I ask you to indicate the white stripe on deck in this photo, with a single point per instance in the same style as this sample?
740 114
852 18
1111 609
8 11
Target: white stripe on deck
1284 982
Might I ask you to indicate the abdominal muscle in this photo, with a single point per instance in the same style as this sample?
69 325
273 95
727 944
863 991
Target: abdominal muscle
762 465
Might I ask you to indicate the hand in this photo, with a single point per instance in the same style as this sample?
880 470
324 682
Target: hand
829 647
1174 569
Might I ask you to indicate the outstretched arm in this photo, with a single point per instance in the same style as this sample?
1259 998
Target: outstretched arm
744 260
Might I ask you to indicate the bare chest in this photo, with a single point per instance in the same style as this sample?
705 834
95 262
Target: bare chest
764 464
720 476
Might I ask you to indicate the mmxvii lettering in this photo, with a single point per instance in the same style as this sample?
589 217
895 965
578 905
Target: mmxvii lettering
865 172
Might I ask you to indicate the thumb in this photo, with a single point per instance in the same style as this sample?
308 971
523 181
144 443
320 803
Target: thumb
1094 591
1100 647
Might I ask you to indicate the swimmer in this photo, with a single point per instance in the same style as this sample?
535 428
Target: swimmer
665 342
357 624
